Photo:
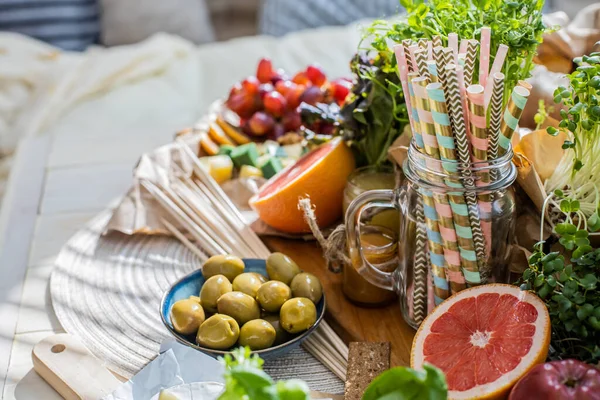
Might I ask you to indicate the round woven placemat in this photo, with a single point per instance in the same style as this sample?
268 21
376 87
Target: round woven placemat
106 289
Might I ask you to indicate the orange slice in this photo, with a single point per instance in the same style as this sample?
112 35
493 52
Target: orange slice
320 174
484 339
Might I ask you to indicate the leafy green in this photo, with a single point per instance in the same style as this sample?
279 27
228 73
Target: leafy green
376 114
571 291
245 380
577 175
403 383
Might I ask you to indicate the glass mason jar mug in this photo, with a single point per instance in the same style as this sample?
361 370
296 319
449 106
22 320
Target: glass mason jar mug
456 227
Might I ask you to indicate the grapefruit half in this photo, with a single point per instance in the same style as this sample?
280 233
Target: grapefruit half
320 174
484 339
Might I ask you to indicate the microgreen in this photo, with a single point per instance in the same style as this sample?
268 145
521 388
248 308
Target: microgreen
577 175
569 286
245 380
403 383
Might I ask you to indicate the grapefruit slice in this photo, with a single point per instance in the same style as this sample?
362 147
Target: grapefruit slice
320 174
484 339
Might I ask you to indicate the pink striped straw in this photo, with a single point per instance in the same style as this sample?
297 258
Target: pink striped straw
496 67
403 71
453 44
484 55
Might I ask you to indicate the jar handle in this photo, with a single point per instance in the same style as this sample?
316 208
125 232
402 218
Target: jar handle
364 201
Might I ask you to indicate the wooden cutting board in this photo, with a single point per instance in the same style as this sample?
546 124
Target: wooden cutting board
351 322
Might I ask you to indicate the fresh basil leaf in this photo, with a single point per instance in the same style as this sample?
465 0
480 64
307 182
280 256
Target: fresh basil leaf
406 383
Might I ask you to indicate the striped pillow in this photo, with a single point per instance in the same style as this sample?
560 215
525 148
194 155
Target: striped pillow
67 24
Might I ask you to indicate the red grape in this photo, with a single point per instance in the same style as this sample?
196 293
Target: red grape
274 103
291 121
301 79
243 103
264 71
251 84
312 95
341 87
293 96
278 75
277 132
284 87
261 123
264 89
316 75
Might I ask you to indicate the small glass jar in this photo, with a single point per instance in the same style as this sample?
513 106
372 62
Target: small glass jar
378 235
456 228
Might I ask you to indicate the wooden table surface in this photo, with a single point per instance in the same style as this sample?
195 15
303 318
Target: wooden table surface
351 322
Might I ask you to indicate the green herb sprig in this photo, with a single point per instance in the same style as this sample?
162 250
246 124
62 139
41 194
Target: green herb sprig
406 383
577 176
569 287
245 380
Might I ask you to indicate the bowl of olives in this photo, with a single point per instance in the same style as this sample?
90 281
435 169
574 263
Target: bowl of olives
268 305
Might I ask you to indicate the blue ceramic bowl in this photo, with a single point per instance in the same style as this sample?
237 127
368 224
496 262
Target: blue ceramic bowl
191 284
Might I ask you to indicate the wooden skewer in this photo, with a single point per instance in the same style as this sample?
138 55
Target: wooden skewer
203 257
325 358
201 237
319 338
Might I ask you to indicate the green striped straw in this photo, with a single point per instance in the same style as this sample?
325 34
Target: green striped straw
512 114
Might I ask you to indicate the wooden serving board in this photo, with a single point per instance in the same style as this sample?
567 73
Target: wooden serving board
351 322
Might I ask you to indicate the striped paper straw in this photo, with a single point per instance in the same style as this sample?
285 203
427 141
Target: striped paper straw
460 76
437 41
461 59
431 201
443 58
471 234
496 67
432 69
453 44
495 116
429 50
410 61
420 56
484 56
512 114
447 149
419 299
422 43
470 58
479 148
403 72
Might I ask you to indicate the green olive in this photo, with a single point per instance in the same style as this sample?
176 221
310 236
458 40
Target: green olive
196 299
218 332
281 336
239 306
297 315
186 316
247 283
272 295
257 334
307 285
223 264
261 277
212 289
281 268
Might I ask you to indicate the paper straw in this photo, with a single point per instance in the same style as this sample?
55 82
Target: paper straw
422 43
467 236
460 76
420 56
447 150
434 221
410 61
496 67
463 46
453 44
419 299
461 59
471 55
525 84
437 41
403 72
432 69
479 148
443 58
484 56
512 114
429 50
495 116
